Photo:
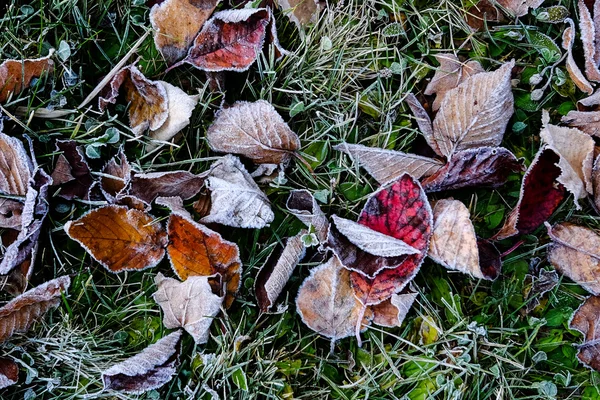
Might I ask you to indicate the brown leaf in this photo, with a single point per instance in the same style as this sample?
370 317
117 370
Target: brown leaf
575 252
190 305
481 13
20 313
149 101
120 239
300 12
302 204
387 165
16 168
195 250
152 368
327 304
16 76
449 75
520 8
586 121
16 281
482 166
585 320
536 286
72 172
423 121
475 113
10 213
454 242
391 313
176 23
254 130
575 73
587 29
117 174
277 270
230 41
9 372
596 182
576 151
236 200
147 187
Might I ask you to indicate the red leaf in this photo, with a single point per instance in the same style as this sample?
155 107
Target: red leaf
400 210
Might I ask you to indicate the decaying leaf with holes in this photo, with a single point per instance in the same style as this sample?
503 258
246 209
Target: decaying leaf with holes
195 250
120 239
190 305
277 270
16 76
454 242
152 368
575 252
303 205
253 130
9 372
236 200
20 313
176 24
585 320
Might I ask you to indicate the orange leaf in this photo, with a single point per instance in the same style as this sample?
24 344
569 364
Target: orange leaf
15 76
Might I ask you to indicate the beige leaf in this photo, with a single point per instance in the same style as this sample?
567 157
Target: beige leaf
16 168
586 121
576 151
300 12
254 130
520 8
588 38
423 121
586 320
20 313
152 368
304 206
236 200
275 273
371 241
190 305
392 312
596 182
575 252
387 165
449 75
327 304
574 72
180 106
475 113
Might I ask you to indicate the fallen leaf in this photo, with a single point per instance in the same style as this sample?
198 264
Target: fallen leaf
423 121
596 182
147 187
449 75
9 372
149 101
387 165
481 13
195 250
116 176
576 151
520 8
180 107
16 76
254 130
230 41
540 196
10 214
236 200
72 172
476 112
20 313
586 121
16 281
587 28
277 270
190 305
537 286
479 167
16 168
575 73
273 40
176 23
302 204
300 12
399 209
454 242
152 368
391 312
119 239
327 304
585 320
575 252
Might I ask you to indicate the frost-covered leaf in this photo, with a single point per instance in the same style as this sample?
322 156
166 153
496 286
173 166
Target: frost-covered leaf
585 320
180 107
117 174
520 8
9 372
590 39
575 73
16 76
16 168
304 206
149 186
300 12
391 312
586 121
72 172
535 286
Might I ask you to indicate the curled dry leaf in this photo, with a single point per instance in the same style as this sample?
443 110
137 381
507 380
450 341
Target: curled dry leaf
387 165
575 73
236 200
537 286
391 312
585 320
120 239
401 210
21 312
481 13
588 27
596 182
303 205
72 172
180 107
190 305
9 372
195 250
16 169
540 196
230 41
454 242
575 252
176 23
152 368
475 113
300 12
16 76
327 304
449 75
147 187
520 8
116 176
483 166
576 151
254 130
423 121
586 121
277 270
